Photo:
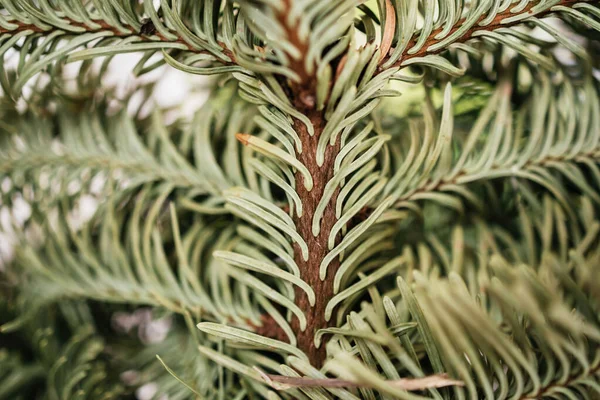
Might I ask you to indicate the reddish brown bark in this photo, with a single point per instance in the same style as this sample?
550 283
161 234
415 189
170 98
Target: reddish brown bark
302 95
309 270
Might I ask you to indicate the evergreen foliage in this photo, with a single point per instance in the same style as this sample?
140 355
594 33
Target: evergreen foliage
310 234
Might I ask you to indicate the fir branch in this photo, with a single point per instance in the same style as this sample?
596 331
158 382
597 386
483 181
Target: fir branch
514 159
127 32
504 19
267 246
573 380
476 267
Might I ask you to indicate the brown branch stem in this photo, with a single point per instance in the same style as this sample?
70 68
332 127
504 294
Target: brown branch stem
106 27
303 95
546 390
496 23
318 248
280 382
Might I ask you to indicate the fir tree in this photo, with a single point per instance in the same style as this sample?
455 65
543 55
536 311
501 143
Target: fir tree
310 234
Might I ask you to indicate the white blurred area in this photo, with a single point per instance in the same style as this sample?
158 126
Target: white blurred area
182 92
174 88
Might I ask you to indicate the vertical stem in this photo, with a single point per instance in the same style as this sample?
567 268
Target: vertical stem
309 270
303 95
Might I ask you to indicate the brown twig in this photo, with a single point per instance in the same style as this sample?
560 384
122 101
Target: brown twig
303 93
279 382
547 389
492 26
105 27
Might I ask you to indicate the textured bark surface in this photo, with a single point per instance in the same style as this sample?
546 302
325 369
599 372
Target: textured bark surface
309 270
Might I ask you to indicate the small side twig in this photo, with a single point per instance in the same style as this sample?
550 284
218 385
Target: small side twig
280 382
